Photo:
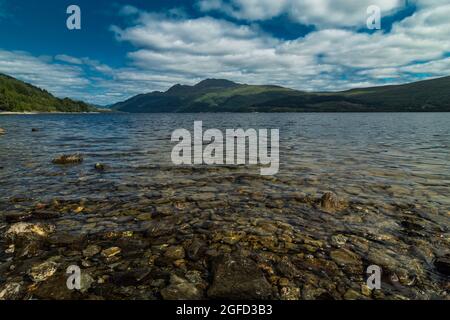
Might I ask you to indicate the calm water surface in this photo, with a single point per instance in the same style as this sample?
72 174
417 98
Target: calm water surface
388 158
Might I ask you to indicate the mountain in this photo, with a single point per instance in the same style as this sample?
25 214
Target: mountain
214 95
18 96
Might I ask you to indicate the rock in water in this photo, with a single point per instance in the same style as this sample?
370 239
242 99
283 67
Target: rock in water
111 252
29 231
175 253
43 271
91 251
329 201
11 291
442 264
180 289
238 277
68 159
2 131
100 167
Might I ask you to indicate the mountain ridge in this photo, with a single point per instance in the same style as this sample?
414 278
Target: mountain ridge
220 95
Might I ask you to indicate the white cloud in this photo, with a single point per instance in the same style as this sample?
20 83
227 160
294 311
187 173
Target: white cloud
43 73
321 13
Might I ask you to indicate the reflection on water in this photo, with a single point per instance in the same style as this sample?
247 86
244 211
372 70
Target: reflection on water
390 170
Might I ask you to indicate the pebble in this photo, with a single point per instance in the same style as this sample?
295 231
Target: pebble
111 252
175 253
91 251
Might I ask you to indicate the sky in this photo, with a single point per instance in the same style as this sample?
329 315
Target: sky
128 47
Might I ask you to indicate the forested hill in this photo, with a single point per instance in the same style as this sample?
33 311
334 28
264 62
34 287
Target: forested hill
18 96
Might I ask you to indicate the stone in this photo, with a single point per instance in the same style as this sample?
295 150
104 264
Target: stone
29 231
175 253
111 252
79 209
55 288
238 277
203 196
43 271
329 201
180 289
11 291
2 131
86 282
144 216
130 277
353 295
442 264
68 159
345 257
338 240
100 167
290 293
91 251
195 249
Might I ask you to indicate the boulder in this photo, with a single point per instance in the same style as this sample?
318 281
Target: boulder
29 231
180 289
68 159
238 277
329 201
42 271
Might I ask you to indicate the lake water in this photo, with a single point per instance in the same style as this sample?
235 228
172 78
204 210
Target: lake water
389 170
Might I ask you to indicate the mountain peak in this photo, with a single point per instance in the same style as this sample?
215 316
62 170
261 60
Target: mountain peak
216 83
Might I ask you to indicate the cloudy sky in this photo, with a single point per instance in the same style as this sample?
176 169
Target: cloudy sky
131 47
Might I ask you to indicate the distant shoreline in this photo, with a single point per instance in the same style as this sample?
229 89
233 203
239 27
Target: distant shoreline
11 113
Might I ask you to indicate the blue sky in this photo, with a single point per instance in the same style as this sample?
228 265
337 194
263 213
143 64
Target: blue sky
131 47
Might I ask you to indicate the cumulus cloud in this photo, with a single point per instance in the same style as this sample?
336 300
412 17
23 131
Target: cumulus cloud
42 72
320 13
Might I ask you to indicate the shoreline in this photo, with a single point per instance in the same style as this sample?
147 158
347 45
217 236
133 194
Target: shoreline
10 113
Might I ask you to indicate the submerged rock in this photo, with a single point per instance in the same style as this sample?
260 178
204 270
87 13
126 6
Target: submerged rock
442 264
100 167
329 201
111 252
68 159
86 282
175 253
43 271
238 277
29 231
180 289
91 251
2 131
11 291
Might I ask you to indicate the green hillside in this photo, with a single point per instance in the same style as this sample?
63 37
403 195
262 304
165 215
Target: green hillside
18 96
214 95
